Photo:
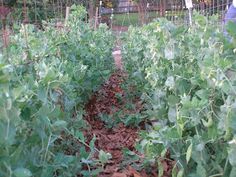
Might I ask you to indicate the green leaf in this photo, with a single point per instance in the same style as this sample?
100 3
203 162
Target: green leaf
26 113
8 104
44 111
170 82
233 172
172 114
42 95
169 51
160 168
80 136
4 79
232 120
64 160
174 172
201 171
22 172
17 92
47 171
203 94
7 133
59 124
51 75
173 100
92 173
172 133
180 173
232 155
189 152
231 28
104 157
92 143
83 153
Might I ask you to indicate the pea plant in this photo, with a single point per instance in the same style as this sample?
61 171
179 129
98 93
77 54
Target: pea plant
185 77
46 77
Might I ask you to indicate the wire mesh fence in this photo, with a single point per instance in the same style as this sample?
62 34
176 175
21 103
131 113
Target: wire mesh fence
127 13
34 11
15 12
124 14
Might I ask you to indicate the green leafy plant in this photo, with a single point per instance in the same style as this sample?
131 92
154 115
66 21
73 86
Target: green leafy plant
46 77
186 80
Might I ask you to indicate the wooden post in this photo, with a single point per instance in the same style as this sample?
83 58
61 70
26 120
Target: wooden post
189 5
91 12
96 18
4 11
142 11
5 35
25 12
67 14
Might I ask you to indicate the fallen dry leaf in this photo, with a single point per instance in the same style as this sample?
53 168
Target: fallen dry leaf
119 175
134 172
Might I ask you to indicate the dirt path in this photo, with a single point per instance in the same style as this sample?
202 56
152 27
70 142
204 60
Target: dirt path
117 58
105 112
110 138
112 135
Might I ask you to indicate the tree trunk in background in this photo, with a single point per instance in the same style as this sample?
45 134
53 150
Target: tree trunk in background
91 12
142 4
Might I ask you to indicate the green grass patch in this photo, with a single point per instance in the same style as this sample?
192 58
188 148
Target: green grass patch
128 19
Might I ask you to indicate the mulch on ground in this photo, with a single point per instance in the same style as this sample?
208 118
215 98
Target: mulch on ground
115 138
111 140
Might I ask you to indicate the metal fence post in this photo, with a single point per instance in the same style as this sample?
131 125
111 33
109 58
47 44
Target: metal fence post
190 16
100 12
189 5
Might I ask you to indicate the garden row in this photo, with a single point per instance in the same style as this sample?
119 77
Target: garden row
186 78
46 77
